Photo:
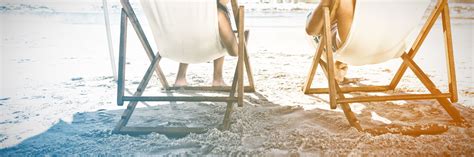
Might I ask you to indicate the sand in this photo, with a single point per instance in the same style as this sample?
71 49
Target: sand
58 96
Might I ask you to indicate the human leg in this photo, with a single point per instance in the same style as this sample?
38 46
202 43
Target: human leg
228 40
218 68
344 16
314 25
181 77
340 23
226 33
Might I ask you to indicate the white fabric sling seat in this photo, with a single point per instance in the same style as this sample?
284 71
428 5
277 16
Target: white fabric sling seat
185 31
380 30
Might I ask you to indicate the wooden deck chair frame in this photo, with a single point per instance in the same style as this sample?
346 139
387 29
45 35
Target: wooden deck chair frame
336 93
237 87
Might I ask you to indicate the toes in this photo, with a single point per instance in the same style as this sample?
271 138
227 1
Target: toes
219 83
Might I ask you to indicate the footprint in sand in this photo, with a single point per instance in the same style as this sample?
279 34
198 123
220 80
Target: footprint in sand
77 79
3 138
105 117
387 70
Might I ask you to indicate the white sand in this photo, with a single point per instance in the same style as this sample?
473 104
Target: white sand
57 95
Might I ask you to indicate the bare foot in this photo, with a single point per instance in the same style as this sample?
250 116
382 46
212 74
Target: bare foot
180 83
351 80
218 83
340 71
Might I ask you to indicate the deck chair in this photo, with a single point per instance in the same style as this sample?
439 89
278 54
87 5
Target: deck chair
380 32
167 17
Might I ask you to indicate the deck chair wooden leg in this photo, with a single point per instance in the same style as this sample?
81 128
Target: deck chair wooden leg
122 58
227 116
314 67
452 111
239 22
141 88
418 42
248 68
448 44
240 89
330 59
235 11
141 36
230 105
351 118
353 121
237 74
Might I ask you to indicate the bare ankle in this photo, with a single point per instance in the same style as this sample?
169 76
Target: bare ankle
234 53
340 71
218 83
181 82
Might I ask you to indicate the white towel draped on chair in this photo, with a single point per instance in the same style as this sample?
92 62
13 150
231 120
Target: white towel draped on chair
185 31
380 30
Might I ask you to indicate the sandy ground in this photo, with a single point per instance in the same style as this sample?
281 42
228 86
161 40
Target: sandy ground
57 94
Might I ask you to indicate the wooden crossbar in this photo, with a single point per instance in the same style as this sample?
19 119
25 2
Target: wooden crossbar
211 88
181 98
393 98
350 89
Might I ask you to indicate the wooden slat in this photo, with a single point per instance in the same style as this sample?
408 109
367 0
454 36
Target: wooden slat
210 88
393 97
448 43
419 41
350 89
314 67
240 62
235 9
180 98
230 105
427 27
168 131
248 67
330 60
122 58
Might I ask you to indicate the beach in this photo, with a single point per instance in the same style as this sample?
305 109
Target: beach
58 94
